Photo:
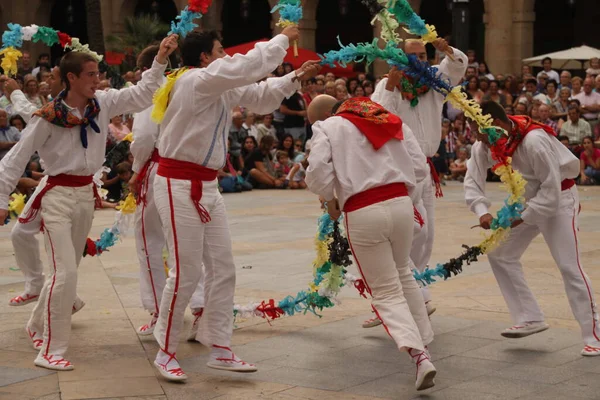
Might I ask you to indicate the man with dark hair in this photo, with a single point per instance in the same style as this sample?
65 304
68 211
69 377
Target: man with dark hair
552 208
194 112
360 164
72 154
471 72
149 237
552 74
42 62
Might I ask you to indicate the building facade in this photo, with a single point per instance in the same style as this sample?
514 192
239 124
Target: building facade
507 26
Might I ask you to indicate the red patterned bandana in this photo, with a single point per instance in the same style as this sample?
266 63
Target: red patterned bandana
374 121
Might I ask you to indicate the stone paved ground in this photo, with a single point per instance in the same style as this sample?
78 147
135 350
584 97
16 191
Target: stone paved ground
305 357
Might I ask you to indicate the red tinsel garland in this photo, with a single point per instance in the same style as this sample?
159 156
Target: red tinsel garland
64 39
200 6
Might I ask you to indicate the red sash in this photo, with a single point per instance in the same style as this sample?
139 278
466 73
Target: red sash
141 182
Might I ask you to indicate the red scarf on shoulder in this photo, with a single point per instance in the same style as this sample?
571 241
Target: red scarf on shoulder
522 126
374 121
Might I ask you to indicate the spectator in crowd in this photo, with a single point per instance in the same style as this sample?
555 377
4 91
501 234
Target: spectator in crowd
562 103
287 145
484 84
42 76
472 59
266 128
320 84
535 111
294 110
485 71
116 182
368 88
330 88
440 158
259 166
9 135
32 92
341 93
594 69
353 83
565 80
509 110
521 108
287 68
590 163
283 166
249 124
542 79
296 177
544 111
237 133
473 89
564 140
104 85
458 168
329 77
43 63
471 72
552 74
576 86
358 92
494 94
506 86
311 91
250 144
18 122
25 66
526 70
117 130
551 91
279 71
590 102
45 91
597 84
298 149
575 128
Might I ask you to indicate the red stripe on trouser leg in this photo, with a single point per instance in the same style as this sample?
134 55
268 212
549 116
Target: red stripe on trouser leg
583 277
51 289
148 257
176 248
363 275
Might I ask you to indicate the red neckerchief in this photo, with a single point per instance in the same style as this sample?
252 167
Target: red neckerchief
522 125
374 121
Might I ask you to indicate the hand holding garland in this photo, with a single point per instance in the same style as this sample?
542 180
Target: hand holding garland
290 14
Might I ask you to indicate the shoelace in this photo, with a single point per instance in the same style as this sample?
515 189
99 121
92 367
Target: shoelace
36 342
21 299
370 321
233 358
591 349
418 357
57 362
198 315
151 324
514 328
174 371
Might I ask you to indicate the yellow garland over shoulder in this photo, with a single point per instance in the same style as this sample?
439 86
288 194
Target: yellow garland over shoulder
161 97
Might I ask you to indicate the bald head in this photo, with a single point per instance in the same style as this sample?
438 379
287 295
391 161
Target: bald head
416 47
320 108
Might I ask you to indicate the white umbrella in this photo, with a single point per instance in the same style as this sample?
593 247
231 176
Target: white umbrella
573 58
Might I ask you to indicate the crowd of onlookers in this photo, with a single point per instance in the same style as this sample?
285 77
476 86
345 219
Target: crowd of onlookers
270 151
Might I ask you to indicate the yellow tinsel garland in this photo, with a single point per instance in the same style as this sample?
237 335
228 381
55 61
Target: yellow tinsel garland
9 61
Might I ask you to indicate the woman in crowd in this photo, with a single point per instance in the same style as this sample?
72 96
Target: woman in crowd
287 145
590 163
551 91
358 92
250 144
561 104
494 94
341 93
473 89
330 89
368 87
32 91
484 84
266 128
259 168
18 122
352 85
484 71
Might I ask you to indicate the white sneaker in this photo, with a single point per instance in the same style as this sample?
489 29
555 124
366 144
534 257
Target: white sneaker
430 308
194 329
231 363
36 338
371 323
23 299
521 331
77 305
170 369
590 351
148 329
55 363
425 370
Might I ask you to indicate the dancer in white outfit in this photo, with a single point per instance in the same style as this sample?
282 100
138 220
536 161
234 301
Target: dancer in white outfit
149 236
72 152
193 146
421 109
23 236
552 209
359 155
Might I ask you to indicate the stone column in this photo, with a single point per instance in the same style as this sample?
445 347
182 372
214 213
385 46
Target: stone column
498 36
522 38
211 21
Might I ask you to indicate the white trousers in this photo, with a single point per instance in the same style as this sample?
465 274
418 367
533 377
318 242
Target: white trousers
26 246
560 233
380 237
150 241
190 243
67 214
422 245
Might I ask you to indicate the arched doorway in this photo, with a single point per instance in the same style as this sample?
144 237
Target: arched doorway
344 18
554 27
68 16
244 22
163 10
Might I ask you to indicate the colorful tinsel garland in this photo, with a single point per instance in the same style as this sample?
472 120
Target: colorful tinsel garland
290 14
184 23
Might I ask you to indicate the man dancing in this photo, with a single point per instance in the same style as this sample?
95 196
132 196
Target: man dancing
421 109
149 236
359 155
552 208
72 154
193 146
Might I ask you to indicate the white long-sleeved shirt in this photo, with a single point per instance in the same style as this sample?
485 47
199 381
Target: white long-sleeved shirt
425 119
22 106
198 117
544 163
61 148
343 162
